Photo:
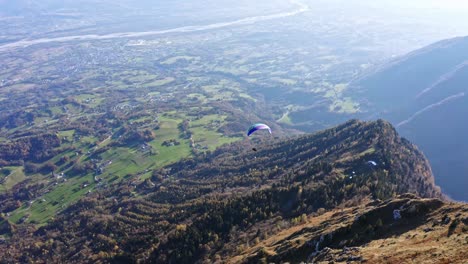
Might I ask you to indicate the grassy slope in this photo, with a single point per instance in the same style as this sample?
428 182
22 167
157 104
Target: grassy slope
419 238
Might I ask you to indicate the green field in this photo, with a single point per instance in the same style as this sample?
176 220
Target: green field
160 82
46 206
175 59
205 132
15 176
285 119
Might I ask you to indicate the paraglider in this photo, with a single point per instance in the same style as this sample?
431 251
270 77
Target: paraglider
256 127
396 214
371 162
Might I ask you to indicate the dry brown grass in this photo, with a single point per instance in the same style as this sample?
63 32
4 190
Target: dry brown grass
418 246
429 242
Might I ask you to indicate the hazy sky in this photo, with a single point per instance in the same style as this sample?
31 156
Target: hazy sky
444 4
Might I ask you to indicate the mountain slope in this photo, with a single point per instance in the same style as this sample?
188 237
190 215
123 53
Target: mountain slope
414 73
429 231
424 95
204 209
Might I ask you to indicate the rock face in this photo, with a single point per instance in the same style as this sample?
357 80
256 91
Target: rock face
425 95
287 201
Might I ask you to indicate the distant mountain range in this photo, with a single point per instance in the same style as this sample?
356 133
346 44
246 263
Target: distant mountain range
310 197
425 95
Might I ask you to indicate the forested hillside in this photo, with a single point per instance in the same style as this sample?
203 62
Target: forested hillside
220 203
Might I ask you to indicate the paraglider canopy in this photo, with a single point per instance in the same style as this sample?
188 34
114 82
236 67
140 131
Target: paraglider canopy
396 214
371 162
256 127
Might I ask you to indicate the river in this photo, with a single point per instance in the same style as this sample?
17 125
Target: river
301 8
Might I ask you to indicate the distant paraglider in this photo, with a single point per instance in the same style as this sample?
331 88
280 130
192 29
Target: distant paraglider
396 214
256 127
372 163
